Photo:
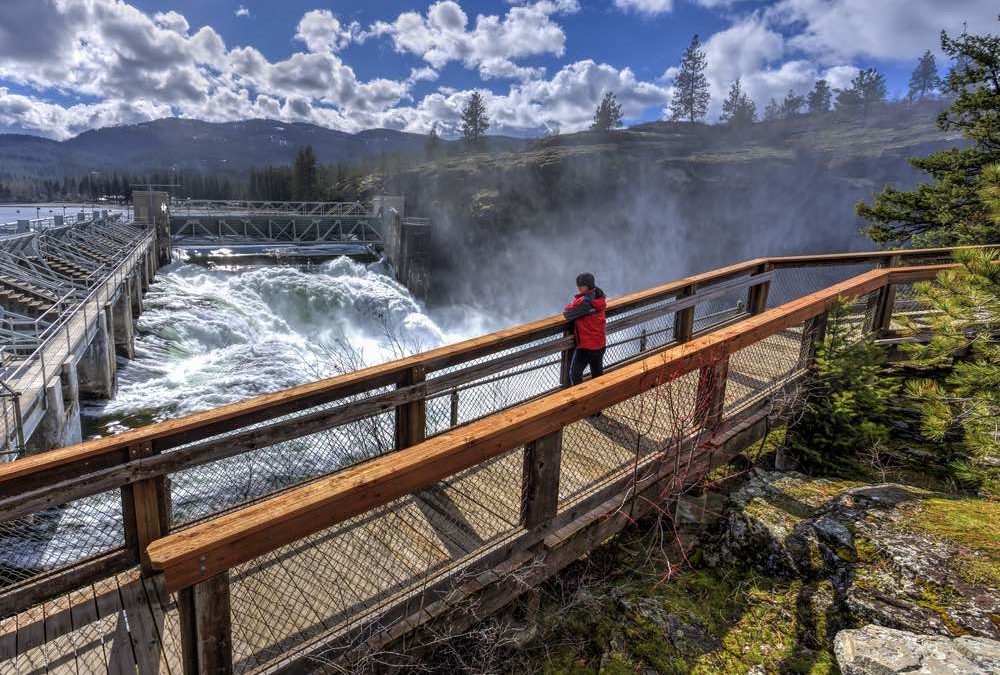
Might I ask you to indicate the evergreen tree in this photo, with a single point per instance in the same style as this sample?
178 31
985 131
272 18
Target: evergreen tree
847 407
433 146
475 120
792 104
738 109
924 80
819 98
966 401
690 101
867 89
305 183
608 115
772 111
950 209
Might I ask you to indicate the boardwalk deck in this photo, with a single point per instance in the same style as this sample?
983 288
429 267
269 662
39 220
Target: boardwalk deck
327 583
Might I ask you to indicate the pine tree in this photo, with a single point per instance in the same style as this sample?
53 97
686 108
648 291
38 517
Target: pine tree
867 89
690 100
738 109
965 319
792 104
432 148
475 120
772 111
924 80
949 210
608 115
819 98
305 183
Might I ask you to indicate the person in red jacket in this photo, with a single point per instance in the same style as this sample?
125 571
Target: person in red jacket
586 311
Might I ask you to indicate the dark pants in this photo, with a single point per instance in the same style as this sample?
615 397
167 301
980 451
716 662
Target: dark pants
581 359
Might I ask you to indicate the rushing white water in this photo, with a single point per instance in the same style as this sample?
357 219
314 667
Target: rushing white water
207 337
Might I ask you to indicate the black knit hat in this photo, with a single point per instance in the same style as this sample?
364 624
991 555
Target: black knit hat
586 279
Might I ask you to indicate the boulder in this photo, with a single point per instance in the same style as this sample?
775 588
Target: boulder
877 650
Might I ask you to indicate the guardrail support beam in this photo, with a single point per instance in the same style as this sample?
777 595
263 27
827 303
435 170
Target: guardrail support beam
411 418
684 319
813 334
147 509
540 488
710 400
206 627
757 295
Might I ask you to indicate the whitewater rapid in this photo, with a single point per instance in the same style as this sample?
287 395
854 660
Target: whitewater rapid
207 337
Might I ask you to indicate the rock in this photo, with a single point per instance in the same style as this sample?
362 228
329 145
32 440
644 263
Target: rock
876 650
859 538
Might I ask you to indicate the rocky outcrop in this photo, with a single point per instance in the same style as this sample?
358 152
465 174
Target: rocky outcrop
876 650
860 538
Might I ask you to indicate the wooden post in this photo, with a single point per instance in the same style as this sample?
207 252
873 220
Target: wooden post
540 487
206 627
757 294
684 319
454 408
884 302
812 337
710 401
643 341
566 359
146 510
411 418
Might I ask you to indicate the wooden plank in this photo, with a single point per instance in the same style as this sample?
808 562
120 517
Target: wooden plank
143 632
166 620
8 645
117 643
87 631
59 641
540 490
31 649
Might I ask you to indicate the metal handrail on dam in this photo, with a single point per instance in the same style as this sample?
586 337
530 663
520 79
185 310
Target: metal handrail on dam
330 519
57 281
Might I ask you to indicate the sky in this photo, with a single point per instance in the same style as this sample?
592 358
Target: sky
67 66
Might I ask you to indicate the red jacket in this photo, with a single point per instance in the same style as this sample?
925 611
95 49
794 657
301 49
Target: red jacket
587 313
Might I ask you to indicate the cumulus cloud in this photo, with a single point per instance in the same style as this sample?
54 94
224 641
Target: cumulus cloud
890 29
492 44
321 31
648 7
242 12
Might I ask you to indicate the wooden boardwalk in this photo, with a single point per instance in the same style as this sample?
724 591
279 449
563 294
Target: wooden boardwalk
322 586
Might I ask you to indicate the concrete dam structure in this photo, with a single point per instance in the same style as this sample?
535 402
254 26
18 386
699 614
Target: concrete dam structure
70 290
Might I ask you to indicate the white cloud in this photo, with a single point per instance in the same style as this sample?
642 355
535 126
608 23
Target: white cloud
321 31
493 44
647 7
890 29
242 12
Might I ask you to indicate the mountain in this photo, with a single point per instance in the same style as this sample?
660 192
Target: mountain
230 147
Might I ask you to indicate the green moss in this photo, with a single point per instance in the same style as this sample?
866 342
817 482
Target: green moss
939 600
972 525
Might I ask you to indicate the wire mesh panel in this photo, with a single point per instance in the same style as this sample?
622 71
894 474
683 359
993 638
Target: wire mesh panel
347 577
210 489
61 536
759 369
909 311
790 283
598 449
719 310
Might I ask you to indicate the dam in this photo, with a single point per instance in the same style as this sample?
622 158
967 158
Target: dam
71 290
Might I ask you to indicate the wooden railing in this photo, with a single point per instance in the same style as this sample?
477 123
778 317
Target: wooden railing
196 561
146 466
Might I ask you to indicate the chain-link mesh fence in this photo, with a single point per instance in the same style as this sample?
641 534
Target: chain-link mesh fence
60 536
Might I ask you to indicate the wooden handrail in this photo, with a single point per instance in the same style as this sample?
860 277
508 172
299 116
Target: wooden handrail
216 545
172 433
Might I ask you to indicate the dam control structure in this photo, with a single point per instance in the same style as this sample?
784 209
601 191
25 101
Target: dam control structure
301 231
70 290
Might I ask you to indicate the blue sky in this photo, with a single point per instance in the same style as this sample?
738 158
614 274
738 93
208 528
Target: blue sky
350 65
